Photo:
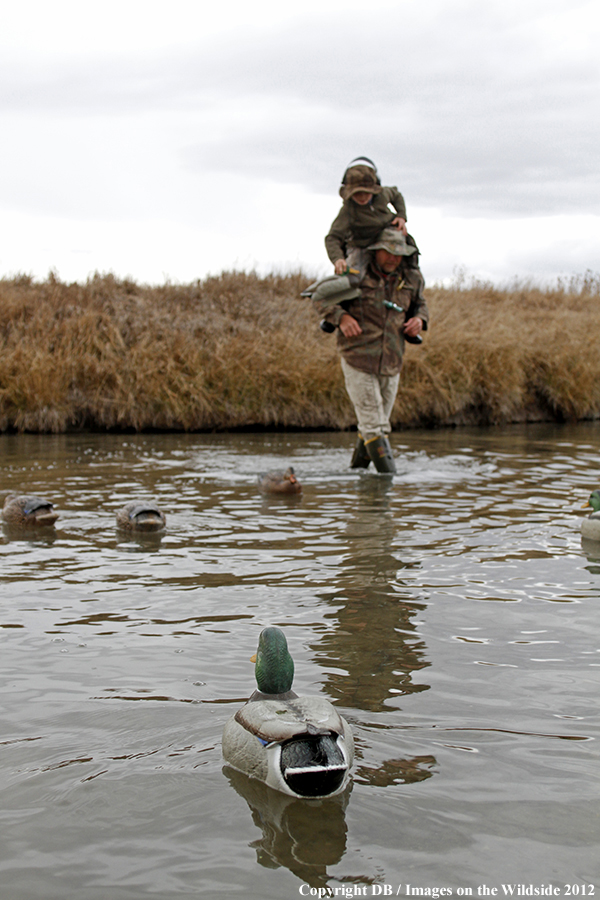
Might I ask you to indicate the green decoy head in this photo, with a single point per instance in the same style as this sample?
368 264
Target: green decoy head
274 666
594 501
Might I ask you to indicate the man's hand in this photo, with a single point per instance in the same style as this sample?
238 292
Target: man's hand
413 327
349 326
400 224
339 266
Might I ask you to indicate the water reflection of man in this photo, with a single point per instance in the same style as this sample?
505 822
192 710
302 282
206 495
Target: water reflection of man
374 649
375 640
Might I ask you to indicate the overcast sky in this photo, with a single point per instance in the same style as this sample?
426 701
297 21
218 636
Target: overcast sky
169 140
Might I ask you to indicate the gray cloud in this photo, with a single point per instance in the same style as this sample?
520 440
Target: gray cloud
476 109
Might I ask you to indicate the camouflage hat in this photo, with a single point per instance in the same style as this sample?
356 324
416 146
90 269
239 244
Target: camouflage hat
359 178
394 242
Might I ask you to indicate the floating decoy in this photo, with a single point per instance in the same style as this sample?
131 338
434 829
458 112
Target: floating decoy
136 516
590 527
280 482
298 745
26 511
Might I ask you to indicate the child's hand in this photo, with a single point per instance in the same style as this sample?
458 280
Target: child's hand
339 266
400 224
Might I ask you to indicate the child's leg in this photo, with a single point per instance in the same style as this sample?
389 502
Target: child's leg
353 257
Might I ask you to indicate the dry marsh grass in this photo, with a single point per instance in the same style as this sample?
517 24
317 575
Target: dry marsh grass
239 350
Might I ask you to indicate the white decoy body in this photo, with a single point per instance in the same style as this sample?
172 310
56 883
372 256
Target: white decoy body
590 527
298 745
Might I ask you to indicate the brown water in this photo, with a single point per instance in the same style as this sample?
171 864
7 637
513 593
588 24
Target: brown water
452 614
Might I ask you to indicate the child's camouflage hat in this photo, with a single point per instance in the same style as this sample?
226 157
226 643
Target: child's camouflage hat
359 178
394 242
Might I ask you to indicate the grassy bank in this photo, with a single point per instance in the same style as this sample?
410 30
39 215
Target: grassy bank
238 350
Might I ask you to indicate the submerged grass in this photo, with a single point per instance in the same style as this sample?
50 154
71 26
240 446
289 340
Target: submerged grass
238 350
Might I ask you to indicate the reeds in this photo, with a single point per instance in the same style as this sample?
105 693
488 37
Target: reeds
238 351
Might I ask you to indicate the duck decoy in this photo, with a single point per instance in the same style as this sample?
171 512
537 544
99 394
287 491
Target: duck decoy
27 511
590 527
280 482
300 746
145 517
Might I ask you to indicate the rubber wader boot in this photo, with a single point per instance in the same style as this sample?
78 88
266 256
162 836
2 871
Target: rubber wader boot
360 457
381 453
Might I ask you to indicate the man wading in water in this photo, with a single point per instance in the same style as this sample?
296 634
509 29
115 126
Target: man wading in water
374 308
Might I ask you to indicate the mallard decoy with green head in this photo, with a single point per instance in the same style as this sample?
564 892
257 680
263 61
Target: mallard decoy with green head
298 745
28 511
280 482
141 517
590 527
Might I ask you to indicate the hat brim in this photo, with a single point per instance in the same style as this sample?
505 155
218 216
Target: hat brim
406 249
347 190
